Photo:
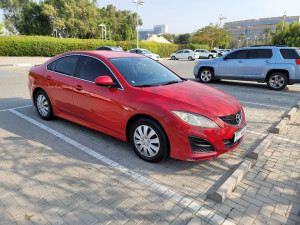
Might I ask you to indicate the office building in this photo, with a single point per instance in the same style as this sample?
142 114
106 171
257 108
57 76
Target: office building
157 29
253 28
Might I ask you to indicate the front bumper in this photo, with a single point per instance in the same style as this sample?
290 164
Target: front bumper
220 139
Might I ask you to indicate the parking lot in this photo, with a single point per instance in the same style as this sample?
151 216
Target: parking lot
58 172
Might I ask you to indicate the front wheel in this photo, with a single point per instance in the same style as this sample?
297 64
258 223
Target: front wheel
43 105
277 81
173 57
148 140
206 75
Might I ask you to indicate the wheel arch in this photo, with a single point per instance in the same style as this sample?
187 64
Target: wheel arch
36 91
206 67
278 70
142 116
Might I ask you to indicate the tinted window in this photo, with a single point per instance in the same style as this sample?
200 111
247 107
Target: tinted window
238 55
289 54
92 68
187 51
259 54
133 51
66 65
51 65
179 52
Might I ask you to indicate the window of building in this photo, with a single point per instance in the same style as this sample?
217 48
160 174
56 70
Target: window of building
92 68
66 65
289 53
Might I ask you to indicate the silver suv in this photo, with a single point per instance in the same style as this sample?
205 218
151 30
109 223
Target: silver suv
275 65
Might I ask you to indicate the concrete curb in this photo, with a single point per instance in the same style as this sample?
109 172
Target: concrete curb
298 104
231 182
291 113
279 127
20 64
261 147
6 64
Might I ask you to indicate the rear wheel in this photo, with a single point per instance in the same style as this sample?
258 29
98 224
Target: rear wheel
210 56
206 75
43 105
173 57
190 58
277 81
148 140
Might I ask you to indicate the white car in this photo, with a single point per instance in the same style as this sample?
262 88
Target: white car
184 54
205 54
145 52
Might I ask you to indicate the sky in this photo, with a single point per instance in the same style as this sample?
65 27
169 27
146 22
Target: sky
187 16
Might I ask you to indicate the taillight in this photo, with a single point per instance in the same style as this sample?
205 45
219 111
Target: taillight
298 61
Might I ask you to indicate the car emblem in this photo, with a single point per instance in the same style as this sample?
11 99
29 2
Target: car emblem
238 118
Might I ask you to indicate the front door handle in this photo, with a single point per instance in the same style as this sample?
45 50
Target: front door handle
78 87
241 61
267 61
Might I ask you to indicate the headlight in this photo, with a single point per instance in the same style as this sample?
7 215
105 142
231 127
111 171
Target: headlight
195 119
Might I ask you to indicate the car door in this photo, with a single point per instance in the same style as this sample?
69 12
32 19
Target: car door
60 82
232 66
186 54
100 105
179 54
256 62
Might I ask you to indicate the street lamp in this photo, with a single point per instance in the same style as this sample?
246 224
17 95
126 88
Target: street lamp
103 26
284 15
221 18
138 2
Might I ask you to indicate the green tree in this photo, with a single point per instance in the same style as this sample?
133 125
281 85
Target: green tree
12 13
266 34
290 35
213 36
1 27
33 21
183 39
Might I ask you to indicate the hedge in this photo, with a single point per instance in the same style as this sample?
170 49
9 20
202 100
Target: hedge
51 46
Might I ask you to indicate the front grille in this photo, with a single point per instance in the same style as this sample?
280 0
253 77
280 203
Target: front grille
200 145
229 142
234 119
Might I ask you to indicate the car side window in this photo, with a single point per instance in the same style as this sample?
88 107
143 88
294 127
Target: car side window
238 55
66 65
289 54
186 51
259 54
132 51
92 68
179 52
51 65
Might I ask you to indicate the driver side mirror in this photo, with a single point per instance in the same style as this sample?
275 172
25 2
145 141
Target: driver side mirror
104 81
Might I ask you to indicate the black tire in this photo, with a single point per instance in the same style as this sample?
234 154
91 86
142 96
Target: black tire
43 105
190 58
173 58
277 81
206 75
141 143
210 56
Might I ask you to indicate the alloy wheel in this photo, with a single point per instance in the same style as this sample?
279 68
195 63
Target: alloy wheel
42 105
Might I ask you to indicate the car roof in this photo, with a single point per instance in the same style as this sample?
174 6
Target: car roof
106 54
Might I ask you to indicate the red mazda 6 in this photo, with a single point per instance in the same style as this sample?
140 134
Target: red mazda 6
136 99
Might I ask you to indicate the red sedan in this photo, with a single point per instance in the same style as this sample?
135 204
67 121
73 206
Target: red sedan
136 99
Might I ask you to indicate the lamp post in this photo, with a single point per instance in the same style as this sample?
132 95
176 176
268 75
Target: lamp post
284 15
103 26
138 2
221 18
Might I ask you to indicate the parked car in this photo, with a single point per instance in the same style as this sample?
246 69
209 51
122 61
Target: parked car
275 65
184 54
136 99
205 54
110 48
145 52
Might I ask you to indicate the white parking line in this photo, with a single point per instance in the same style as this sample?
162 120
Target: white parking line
266 105
195 206
21 107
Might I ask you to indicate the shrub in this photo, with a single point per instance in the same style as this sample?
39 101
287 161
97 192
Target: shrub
51 46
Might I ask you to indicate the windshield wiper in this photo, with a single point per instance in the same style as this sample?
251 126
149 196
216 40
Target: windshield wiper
171 82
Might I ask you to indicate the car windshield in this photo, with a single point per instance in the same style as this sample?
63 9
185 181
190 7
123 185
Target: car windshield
144 72
117 49
147 51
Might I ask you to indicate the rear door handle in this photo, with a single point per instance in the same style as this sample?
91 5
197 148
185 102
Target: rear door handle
48 77
240 61
267 61
78 87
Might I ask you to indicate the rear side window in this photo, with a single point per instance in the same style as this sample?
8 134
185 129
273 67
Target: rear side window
66 65
259 54
51 65
187 51
237 55
289 54
92 68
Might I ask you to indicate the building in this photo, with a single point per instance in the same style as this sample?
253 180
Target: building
157 29
253 28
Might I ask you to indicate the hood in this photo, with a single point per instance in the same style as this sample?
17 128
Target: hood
198 95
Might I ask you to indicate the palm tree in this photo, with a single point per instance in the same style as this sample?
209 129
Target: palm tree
266 33
242 38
